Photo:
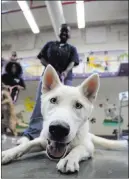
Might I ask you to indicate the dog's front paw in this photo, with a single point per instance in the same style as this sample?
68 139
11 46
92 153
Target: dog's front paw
68 164
7 156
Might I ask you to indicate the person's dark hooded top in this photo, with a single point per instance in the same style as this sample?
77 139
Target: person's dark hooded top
10 78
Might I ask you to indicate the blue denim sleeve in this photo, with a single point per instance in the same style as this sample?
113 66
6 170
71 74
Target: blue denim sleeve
75 56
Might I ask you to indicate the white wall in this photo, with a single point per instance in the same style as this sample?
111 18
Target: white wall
27 44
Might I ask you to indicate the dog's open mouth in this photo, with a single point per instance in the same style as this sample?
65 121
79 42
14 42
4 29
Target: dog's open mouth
56 150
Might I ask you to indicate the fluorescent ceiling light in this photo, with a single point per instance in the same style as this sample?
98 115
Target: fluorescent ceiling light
5 1
80 14
29 16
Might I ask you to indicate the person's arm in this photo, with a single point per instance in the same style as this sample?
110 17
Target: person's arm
70 66
43 61
22 85
74 58
42 56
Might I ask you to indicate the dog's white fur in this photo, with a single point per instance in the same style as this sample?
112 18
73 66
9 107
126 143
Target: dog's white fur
81 145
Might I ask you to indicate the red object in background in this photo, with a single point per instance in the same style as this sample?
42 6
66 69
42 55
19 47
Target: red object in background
41 6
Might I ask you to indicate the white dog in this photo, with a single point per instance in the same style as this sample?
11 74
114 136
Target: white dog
65 135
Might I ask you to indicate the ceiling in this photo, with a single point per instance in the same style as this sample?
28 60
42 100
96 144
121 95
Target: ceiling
96 12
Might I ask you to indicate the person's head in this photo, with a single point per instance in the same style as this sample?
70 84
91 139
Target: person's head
14 68
64 33
14 54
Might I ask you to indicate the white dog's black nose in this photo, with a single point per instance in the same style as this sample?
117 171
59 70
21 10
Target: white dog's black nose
59 131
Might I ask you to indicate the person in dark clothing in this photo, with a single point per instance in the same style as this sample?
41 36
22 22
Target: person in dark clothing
12 79
63 57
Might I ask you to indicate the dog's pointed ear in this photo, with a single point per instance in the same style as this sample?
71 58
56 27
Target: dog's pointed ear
50 79
90 87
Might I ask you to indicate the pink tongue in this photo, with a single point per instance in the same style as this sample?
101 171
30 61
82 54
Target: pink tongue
56 150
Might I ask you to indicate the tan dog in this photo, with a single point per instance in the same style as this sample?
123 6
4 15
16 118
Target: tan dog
9 119
8 116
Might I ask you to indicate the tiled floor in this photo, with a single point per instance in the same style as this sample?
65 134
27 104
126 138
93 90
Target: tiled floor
106 164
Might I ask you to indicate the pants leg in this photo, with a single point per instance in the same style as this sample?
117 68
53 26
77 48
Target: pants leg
36 120
68 82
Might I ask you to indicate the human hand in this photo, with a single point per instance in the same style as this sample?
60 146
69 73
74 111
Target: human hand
64 74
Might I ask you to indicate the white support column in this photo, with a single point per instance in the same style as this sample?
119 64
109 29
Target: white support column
56 14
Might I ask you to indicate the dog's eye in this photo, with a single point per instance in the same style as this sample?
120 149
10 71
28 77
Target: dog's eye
78 105
53 100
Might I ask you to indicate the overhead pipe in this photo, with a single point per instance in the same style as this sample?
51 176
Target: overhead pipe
41 6
55 11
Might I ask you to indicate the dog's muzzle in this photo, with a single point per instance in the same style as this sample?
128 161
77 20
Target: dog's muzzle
57 145
56 150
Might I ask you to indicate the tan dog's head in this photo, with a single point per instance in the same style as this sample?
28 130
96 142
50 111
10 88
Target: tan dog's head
65 109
